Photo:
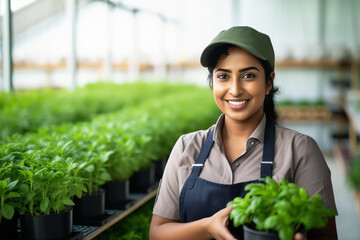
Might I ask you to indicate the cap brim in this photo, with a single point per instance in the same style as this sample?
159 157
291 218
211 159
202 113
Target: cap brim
208 51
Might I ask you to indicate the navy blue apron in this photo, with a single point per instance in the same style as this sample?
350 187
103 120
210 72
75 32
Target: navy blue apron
200 198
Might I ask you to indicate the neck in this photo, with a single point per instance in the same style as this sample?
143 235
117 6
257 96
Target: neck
236 129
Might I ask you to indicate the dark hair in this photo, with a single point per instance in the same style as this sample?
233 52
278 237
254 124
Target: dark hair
269 105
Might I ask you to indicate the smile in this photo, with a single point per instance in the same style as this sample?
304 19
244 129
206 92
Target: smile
237 103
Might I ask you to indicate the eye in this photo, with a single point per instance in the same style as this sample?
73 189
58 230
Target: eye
222 76
249 75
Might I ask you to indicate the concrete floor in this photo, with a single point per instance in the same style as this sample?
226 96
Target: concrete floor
348 220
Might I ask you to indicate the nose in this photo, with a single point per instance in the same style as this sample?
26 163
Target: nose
235 89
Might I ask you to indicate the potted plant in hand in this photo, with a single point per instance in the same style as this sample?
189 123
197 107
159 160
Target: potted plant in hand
279 209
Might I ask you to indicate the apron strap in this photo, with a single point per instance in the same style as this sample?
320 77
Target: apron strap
267 158
199 164
268 149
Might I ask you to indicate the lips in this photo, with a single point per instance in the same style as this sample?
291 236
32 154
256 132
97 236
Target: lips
237 104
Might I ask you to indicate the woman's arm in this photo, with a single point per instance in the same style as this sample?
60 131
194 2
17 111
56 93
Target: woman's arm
206 228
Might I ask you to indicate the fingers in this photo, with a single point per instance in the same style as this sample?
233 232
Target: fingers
225 213
299 236
219 224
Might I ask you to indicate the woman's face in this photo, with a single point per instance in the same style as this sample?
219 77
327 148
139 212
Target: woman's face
239 86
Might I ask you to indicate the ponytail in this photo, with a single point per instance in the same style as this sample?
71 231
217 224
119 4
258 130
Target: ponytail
269 105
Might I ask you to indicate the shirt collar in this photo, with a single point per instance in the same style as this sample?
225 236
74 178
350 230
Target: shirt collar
257 134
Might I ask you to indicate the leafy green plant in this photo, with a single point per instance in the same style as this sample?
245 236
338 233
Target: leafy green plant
282 207
60 161
46 179
353 173
27 111
7 196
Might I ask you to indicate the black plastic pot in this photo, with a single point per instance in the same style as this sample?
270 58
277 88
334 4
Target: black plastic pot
143 181
159 168
251 234
90 209
8 228
46 227
116 194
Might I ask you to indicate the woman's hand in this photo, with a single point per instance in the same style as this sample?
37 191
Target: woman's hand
216 225
202 229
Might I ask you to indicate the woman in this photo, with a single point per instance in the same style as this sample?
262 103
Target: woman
206 169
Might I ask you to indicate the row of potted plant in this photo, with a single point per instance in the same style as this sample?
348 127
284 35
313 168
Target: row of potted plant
300 103
26 111
353 176
53 167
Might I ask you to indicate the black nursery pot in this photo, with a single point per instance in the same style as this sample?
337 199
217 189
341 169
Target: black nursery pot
89 209
116 194
46 227
8 228
251 234
159 168
143 180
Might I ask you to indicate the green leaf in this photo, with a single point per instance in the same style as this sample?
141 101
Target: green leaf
105 176
44 204
54 194
12 184
67 201
271 222
3 184
303 194
7 211
13 194
286 233
90 168
30 196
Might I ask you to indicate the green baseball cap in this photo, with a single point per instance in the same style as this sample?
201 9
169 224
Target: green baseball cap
247 38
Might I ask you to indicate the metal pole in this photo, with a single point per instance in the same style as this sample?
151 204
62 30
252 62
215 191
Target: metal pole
72 61
134 68
160 71
7 49
107 58
235 12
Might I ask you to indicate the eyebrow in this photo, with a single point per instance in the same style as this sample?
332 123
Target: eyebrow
241 70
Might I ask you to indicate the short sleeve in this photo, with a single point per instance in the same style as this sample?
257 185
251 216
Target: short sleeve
312 171
167 200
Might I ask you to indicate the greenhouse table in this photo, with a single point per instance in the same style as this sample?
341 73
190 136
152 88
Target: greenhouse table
116 215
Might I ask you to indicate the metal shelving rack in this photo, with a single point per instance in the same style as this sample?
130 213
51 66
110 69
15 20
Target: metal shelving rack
90 232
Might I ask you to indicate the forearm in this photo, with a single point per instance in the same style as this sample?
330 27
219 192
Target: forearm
179 231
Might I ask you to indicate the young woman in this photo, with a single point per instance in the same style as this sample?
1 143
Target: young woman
208 168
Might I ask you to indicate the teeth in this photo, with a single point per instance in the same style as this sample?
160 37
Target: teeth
237 102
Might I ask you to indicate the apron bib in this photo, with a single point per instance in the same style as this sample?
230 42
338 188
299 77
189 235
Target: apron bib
200 198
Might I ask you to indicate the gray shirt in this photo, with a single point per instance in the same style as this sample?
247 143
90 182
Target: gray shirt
297 158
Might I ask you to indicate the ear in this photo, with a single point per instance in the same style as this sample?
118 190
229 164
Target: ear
269 83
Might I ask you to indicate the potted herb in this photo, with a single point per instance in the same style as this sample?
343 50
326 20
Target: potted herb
120 169
281 208
8 196
353 176
92 157
46 182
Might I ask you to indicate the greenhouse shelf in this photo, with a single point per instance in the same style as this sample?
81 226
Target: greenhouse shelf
91 232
